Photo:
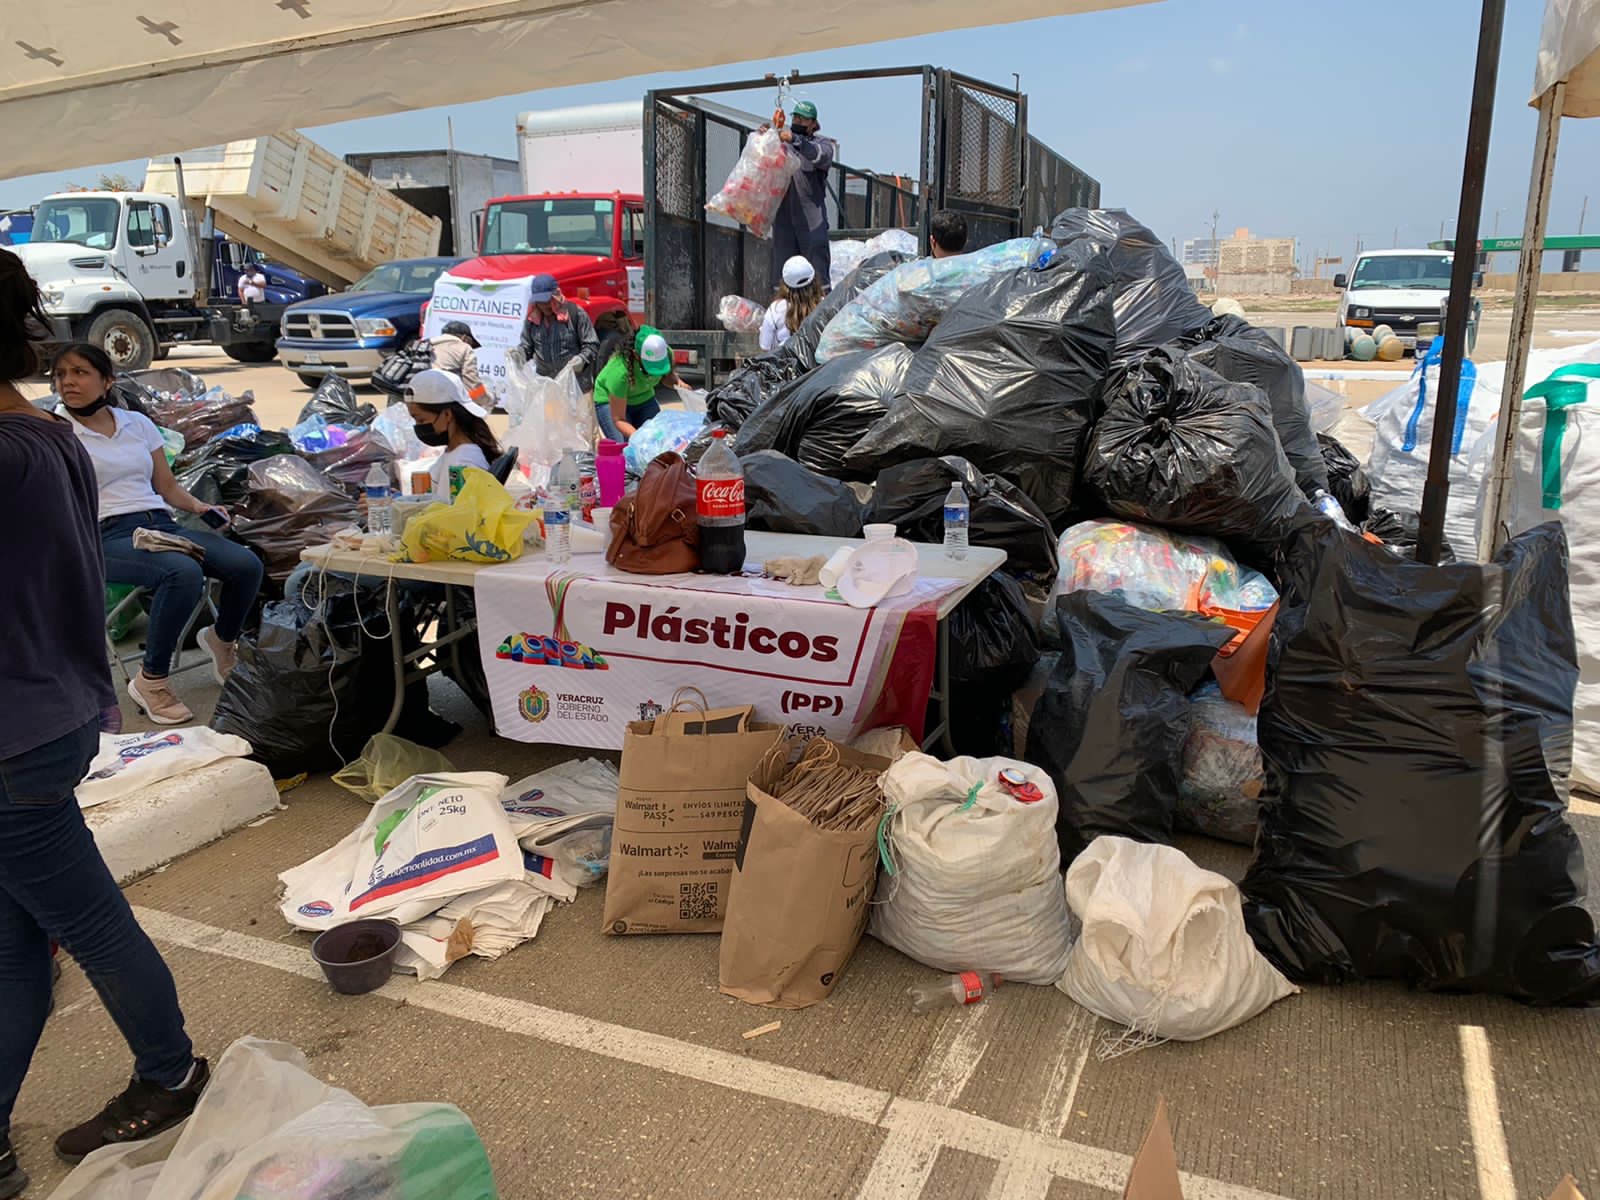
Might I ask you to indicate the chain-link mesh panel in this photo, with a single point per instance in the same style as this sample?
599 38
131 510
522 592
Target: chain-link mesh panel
981 163
675 162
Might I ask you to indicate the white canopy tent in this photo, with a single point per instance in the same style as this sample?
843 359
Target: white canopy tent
1566 83
84 82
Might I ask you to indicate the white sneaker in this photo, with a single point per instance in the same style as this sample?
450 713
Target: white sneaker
224 655
159 701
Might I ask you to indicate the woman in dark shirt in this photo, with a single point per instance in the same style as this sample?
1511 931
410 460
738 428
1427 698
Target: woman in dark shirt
55 678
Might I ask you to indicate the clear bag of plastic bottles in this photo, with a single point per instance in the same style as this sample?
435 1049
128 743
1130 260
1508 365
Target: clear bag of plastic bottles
1158 570
756 186
905 304
740 314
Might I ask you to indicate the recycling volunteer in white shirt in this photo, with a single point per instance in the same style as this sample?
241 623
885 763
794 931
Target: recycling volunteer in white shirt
800 294
447 416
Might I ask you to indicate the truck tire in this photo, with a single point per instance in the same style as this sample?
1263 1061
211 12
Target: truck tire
125 337
311 381
251 352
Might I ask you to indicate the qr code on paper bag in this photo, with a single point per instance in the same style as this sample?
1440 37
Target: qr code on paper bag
697 901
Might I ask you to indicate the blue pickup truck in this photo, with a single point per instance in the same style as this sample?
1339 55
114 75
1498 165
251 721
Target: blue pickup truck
350 333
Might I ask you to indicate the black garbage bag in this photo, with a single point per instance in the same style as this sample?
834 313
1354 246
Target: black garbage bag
802 344
1154 302
348 464
310 688
994 644
1181 447
782 496
290 506
1399 530
1416 734
335 401
1011 378
1346 480
818 417
218 471
1241 353
911 498
1112 722
755 382
695 450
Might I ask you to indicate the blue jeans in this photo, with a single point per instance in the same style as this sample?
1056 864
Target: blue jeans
638 414
54 884
177 580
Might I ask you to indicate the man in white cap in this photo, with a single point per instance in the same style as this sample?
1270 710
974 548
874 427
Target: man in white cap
799 295
446 416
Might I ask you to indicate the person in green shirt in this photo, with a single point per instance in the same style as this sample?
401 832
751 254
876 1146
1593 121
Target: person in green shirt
626 390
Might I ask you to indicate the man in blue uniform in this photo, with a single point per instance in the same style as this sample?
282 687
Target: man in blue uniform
801 226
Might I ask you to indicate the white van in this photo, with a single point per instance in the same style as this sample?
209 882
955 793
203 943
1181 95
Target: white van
1401 289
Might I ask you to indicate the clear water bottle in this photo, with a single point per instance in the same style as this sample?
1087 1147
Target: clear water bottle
719 508
1328 506
558 512
953 991
572 480
376 486
957 517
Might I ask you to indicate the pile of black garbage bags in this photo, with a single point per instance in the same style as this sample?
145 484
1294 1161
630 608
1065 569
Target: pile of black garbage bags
1400 773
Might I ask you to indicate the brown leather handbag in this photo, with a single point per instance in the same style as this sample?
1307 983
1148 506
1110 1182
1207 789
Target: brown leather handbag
654 532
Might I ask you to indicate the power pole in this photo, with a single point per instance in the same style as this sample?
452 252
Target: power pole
1395 244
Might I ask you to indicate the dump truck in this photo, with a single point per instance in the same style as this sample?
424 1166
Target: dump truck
125 270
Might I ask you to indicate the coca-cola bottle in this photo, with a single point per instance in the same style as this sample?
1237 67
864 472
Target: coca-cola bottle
719 507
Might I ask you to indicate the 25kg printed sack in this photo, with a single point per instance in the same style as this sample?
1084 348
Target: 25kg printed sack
975 882
130 761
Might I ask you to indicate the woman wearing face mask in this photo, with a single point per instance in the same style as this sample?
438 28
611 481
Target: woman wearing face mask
138 491
446 416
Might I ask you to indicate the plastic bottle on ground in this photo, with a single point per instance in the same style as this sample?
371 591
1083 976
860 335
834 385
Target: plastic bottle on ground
376 487
558 515
953 991
719 508
957 517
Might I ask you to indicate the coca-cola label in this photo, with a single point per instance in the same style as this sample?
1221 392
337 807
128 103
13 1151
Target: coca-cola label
719 498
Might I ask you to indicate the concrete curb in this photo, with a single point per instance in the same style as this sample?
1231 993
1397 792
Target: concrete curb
156 824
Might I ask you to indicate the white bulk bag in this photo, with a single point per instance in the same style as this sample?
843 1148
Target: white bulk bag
975 884
1555 476
1163 951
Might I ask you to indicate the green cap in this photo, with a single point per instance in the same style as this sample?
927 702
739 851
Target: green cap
641 333
805 110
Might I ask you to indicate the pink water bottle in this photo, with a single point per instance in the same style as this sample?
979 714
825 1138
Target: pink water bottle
608 466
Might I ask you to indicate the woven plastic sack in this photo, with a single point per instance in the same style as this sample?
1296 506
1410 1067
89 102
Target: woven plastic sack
1163 952
972 879
482 525
386 762
756 186
267 1129
906 304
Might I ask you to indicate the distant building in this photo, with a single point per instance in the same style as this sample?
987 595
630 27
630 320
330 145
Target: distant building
1251 266
1199 252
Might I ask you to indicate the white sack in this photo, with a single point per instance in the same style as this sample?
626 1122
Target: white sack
976 886
130 761
1163 950
451 837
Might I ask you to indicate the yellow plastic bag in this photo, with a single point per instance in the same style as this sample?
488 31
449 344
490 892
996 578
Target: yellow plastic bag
482 525
385 763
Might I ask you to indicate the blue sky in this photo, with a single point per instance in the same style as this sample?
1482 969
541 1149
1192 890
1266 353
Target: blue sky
1287 116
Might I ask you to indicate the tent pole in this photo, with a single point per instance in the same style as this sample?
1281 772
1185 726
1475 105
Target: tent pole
1430 533
1530 261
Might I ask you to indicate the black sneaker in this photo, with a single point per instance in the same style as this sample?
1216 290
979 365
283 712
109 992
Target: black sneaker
12 1177
142 1111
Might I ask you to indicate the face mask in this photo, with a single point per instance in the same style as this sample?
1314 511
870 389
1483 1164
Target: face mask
429 436
88 410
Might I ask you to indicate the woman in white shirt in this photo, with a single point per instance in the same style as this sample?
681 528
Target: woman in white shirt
138 491
447 416
800 294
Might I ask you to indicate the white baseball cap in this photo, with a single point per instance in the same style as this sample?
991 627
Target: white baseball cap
435 388
798 272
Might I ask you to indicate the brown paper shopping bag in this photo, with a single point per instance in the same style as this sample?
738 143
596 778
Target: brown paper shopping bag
797 904
679 807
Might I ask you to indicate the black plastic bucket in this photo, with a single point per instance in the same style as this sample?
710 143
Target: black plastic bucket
357 956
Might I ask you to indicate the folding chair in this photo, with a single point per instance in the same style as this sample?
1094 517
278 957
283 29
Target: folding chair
133 603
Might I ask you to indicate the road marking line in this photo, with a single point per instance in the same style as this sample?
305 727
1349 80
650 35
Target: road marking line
1495 1181
1024 1175
954 1058
922 1119
902 1166
1055 1110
